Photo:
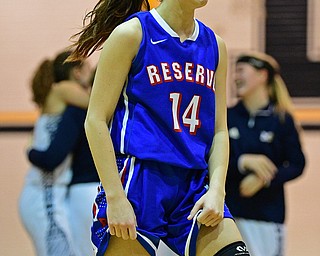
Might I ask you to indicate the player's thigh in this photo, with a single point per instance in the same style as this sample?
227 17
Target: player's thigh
212 239
118 246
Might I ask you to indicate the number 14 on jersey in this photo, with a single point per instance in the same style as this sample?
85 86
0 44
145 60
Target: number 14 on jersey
190 117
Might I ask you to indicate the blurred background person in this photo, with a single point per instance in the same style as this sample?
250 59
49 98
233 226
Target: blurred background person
265 153
42 210
70 139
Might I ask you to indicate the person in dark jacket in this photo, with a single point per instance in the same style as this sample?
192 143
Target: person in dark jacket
265 153
70 139
41 205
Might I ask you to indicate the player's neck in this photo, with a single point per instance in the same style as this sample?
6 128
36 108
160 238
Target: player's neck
181 21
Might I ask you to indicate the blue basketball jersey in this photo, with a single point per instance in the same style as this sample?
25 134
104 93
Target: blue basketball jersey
166 112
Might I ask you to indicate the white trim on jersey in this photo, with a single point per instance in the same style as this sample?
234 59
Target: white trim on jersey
110 126
131 170
125 118
169 30
148 241
124 167
188 242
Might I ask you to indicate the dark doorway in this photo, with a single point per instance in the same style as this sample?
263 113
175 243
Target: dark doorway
286 40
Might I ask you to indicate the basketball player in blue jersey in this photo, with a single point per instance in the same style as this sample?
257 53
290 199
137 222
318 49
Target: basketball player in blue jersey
160 87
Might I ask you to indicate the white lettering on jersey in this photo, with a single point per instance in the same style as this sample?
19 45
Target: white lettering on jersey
175 71
166 72
154 76
188 72
210 77
200 75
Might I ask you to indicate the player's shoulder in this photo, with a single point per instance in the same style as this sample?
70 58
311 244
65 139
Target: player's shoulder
124 39
130 29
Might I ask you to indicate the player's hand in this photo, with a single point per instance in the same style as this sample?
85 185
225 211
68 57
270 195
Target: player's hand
261 165
121 218
212 206
250 185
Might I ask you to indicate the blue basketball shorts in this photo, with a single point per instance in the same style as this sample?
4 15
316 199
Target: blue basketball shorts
162 197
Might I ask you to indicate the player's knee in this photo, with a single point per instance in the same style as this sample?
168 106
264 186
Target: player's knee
235 249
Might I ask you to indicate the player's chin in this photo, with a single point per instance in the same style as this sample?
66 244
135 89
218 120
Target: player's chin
201 3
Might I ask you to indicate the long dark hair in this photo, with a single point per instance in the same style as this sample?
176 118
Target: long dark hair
102 20
41 82
61 68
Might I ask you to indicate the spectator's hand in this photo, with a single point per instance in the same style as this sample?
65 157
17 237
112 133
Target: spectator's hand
261 165
250 185
212 206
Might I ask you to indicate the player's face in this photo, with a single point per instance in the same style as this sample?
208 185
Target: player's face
248 79
200 3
